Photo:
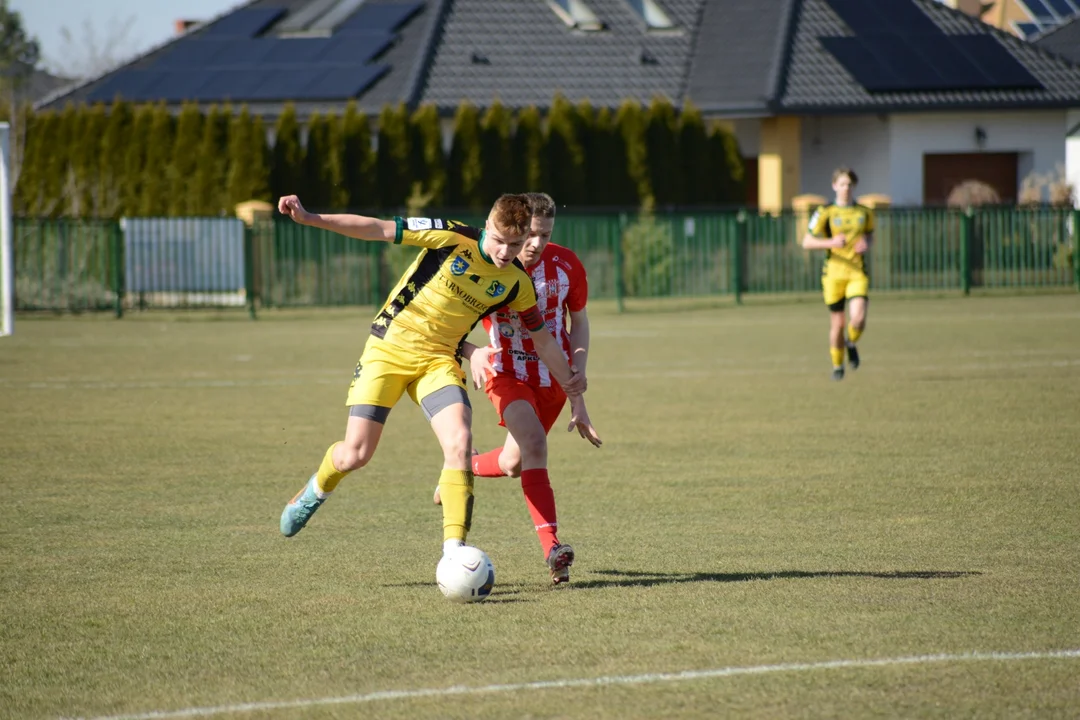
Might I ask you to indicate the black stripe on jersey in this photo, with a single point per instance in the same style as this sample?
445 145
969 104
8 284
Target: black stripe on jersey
493 309
429 264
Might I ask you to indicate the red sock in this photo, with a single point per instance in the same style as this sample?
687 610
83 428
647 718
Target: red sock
487 464
541 501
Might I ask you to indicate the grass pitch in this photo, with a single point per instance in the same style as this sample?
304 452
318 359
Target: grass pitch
745 511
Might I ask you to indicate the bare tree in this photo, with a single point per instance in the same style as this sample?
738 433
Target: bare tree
94 52
19 54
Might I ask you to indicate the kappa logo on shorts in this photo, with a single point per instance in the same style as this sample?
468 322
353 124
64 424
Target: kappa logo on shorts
459 266
496 289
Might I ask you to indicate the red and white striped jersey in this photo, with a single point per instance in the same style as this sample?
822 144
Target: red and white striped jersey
561 287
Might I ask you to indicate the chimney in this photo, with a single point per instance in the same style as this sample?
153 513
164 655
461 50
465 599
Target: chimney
181 26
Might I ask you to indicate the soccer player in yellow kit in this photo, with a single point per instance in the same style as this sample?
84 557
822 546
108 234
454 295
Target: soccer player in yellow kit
844 230
461 275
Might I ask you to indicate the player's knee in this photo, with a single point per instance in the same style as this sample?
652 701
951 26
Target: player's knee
512 469
353 456
456 444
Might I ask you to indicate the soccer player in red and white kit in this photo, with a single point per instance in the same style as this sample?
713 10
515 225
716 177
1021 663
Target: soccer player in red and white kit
520 386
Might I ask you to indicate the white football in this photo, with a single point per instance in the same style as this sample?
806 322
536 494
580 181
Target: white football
465 574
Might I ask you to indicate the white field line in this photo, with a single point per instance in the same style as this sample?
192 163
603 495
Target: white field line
595 682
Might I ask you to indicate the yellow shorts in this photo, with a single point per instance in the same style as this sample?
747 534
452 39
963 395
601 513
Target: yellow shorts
386 371
839 289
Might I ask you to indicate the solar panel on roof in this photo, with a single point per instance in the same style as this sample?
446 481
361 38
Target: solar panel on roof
956 69
1062 7
235 85
1028 29
178 86
246 22
881 15
245 53
381 16
1038 10
993 59
338 82
895 52
286 83
867 70
192 52
295 50
129 84
355 47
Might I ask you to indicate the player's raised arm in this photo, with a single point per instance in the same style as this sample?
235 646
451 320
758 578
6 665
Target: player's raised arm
354 226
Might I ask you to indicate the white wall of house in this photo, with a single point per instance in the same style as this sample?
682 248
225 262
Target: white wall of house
1072 151
860 142
1038 136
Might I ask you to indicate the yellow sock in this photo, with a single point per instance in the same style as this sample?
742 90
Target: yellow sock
328 476
456 490
853 334
837 355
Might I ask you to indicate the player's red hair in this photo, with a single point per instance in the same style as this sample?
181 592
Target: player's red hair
512 214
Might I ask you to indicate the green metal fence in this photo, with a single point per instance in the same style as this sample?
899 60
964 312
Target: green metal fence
86 265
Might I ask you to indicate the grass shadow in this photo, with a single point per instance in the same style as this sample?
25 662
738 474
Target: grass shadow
632 578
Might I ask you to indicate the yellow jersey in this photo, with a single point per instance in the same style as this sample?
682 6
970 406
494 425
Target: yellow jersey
448 289
851 221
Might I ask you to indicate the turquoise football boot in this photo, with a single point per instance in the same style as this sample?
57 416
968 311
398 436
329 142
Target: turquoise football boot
300 509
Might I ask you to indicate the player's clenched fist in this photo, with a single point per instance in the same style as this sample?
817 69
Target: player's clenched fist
290 205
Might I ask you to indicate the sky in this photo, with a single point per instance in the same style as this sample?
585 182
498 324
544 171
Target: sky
151 23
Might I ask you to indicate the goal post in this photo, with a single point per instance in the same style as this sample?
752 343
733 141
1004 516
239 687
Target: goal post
7 256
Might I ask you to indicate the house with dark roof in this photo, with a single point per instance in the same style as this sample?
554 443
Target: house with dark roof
915 95
1063 40
320 54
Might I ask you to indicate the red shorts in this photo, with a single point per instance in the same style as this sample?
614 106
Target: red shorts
547 402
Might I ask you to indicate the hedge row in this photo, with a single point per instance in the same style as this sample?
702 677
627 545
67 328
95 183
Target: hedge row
111 161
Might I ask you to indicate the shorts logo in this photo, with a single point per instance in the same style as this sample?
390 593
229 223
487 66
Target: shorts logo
459 266
419 223
496 289
506 330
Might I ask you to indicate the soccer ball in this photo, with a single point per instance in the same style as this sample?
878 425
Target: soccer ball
465 574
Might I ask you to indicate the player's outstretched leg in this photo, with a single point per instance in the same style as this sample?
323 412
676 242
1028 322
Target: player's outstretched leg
315 492
301 508
559 560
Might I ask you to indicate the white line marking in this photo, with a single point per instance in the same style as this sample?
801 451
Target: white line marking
593 682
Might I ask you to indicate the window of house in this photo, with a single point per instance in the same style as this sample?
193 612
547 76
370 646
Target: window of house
652 14
576 14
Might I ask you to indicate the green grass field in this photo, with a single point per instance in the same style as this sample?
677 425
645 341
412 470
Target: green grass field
748 523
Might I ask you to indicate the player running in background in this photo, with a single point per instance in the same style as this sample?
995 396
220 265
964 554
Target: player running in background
844 230
520 385
461 275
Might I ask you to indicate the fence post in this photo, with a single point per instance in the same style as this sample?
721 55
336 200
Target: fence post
738 247
620 288
965 251
118 264
249 270
1076 245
